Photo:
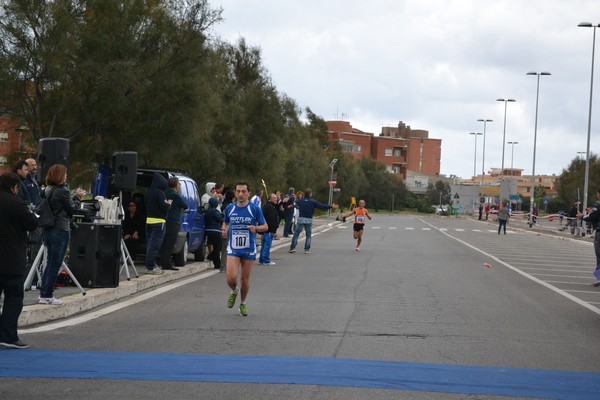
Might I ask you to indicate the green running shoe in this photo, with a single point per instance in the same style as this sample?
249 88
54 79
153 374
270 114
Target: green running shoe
231 300
243 310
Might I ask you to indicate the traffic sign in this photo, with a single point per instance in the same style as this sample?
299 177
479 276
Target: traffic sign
332 183
456 196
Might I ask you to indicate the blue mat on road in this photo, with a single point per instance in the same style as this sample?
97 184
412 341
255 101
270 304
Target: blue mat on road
517 382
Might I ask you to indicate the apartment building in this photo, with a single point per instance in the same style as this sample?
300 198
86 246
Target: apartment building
12 142
401 149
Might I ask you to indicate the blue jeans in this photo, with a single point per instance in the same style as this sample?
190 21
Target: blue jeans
305 223
56 241
155 234
265 248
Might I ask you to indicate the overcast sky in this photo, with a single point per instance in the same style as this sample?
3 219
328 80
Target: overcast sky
437 65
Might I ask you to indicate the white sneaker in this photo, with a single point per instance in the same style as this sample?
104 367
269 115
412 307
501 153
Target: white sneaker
271 263
50 300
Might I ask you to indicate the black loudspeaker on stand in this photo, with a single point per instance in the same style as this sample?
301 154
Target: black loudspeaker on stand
125 169
51 151
95 254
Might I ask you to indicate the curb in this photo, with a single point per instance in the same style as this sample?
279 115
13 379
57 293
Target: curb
96 297
79 303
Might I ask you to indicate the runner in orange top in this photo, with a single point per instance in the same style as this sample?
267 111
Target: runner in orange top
359 221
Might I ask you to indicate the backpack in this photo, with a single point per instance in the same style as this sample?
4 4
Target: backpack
46 218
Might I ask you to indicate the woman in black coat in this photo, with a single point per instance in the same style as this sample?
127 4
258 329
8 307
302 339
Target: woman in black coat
56 237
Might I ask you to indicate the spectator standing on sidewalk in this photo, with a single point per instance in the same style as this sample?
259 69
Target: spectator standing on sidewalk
20 168
35 194
15 221
157 207
172 224
487 211
56 237
306 206
269 210
594 218
30 183
242 221
288 209
213 220
503 216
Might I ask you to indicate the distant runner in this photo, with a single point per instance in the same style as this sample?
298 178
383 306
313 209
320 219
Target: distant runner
359 221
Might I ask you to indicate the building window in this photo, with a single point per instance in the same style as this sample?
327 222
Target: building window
397 169
356 149
346 146
3 136
397 152
3 161
388 152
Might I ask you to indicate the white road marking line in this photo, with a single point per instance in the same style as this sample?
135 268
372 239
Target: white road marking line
426 229
459 230
376 227
393 227
409 228
525 274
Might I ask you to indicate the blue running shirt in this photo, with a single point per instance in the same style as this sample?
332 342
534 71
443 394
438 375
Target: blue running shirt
240 241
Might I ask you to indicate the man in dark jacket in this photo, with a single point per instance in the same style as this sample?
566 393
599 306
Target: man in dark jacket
173 223
20 168
157 207
288 212
269 210
15 221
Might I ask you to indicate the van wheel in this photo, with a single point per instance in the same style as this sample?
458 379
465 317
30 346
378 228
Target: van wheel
180 258
199 255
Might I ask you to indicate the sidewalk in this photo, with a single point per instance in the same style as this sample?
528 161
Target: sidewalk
75 302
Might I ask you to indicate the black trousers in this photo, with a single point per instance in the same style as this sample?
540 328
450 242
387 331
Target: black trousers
12 287
214 239
166 250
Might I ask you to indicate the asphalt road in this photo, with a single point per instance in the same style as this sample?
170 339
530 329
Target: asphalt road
416 314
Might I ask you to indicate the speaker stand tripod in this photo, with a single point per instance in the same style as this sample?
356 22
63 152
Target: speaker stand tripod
38 268
126 260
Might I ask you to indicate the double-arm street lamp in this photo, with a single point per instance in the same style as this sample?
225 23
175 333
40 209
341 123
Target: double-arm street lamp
485 121
506 101
537 97
587 154
475 157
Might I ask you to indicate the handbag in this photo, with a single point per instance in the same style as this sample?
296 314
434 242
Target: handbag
44 211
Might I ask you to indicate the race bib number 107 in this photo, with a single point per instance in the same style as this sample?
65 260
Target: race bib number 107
240 240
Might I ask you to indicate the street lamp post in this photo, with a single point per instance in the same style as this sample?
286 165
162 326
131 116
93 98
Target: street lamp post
475 156
512 154
579 153
506 101
485 121
587 154
537 97
331 165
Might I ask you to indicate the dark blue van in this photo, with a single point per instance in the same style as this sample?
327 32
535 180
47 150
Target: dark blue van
191 235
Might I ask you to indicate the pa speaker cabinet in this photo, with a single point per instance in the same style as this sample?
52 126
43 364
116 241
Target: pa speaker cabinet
95 254
125 168
51 151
